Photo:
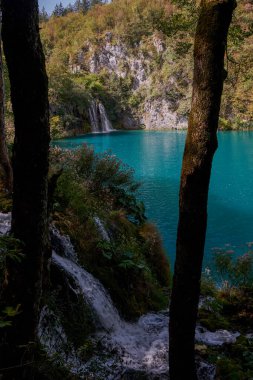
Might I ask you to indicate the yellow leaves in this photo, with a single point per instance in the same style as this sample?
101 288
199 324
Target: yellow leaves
10 311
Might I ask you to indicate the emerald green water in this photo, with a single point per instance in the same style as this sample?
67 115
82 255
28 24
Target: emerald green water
157 157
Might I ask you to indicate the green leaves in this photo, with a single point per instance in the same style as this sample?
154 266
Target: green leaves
89 177
234 271
4 323
11 249
8 313
106 248
11 312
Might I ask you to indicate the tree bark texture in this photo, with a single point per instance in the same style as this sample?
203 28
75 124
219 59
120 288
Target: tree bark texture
29 95
5 166
201 144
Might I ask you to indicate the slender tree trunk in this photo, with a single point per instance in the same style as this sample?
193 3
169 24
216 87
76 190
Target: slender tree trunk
201 144
29 95
5 167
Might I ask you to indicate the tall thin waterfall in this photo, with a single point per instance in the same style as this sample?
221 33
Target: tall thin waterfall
105 122
99 120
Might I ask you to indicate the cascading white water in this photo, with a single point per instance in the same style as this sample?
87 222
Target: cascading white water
5 223
105 122
93 292
94 119
99 120
101 229
140 346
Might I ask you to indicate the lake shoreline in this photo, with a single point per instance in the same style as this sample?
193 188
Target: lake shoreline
156 157
79 135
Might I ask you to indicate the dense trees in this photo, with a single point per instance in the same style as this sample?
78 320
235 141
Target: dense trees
43 15
201 143
59 10
81 6
29 95
129 24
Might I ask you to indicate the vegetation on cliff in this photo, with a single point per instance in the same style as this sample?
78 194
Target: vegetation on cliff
136 57
96 204
133 56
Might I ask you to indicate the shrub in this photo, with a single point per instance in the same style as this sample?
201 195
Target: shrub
131 262
234 272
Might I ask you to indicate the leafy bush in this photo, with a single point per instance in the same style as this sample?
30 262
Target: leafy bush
130 261
72 40
237 272
101 181
229 292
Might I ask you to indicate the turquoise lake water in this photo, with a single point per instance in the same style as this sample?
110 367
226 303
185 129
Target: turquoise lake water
157 157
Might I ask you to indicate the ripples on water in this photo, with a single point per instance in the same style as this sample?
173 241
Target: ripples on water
157 157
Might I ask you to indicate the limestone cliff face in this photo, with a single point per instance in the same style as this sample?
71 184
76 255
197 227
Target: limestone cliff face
135 57
152 103
161 114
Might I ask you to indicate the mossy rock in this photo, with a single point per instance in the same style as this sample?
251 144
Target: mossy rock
212 321
228 369
5 202
74 314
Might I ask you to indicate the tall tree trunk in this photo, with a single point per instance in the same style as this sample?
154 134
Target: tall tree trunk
29 95
201 144
5 167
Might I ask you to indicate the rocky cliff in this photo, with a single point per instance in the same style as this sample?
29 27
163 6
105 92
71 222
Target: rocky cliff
135 58
152 111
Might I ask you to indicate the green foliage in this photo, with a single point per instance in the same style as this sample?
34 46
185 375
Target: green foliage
229 306
5 201
225 124
234 271
8 313
132 265
10 250
236 363
97 181
211 315
229 303
56 127
92 84
208 286
72 40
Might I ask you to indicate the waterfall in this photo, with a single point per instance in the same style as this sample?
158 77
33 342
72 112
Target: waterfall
142 345
94 119
99 120
105 122
101 229
139 346
5 223
93 292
